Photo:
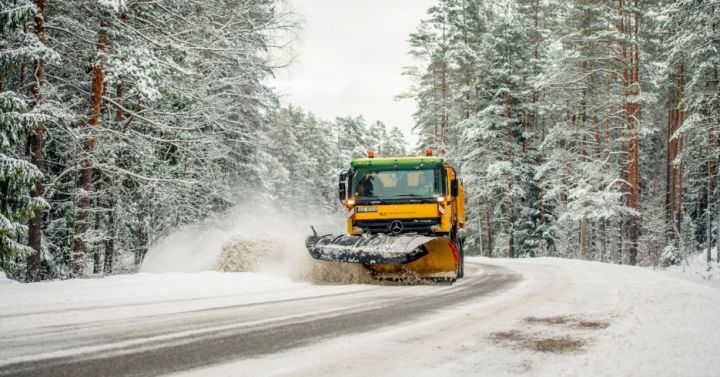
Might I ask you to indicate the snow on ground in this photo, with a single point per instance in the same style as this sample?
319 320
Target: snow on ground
566 318
696 268
4 279
58 303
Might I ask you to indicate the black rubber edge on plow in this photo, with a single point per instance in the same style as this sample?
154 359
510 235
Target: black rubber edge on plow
360 256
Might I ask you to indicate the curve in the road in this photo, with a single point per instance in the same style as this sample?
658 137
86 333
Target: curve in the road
287 332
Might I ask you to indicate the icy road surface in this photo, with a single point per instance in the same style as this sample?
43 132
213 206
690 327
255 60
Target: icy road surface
542 317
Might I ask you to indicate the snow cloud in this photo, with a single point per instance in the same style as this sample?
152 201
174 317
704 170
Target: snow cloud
253 239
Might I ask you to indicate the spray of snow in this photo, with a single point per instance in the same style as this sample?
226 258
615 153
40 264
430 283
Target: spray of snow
244 254
252 239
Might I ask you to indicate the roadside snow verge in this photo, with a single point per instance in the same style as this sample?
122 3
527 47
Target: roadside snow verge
4 279
564 318
695 268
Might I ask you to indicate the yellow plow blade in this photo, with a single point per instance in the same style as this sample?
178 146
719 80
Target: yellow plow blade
441 261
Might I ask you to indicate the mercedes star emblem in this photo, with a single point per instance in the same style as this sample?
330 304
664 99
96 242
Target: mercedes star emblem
396 227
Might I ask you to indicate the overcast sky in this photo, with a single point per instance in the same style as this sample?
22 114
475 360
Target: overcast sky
349 59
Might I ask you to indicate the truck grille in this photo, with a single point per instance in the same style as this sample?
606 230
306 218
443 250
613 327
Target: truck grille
409 225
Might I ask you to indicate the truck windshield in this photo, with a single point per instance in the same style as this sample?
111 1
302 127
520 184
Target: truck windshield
397 185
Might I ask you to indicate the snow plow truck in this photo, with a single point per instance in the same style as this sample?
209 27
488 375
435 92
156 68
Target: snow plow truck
405 219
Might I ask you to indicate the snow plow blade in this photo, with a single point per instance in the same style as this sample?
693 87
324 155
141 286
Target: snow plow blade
368 250
401 257
441 263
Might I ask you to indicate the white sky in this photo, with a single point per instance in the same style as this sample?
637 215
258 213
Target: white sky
350 57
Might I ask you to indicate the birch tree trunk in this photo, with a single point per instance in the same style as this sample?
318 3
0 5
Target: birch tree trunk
679 145
708 210
670 232
97 257
488 228
511 207
110 240
673 185
583 237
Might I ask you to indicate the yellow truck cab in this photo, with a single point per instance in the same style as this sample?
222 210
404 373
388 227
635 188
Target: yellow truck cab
403 195
405 216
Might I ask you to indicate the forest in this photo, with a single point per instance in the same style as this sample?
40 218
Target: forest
583 129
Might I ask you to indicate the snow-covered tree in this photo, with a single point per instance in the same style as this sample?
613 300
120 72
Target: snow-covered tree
394 143
553 113
18 120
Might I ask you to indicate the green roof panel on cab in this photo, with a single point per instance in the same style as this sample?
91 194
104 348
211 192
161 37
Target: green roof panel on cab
403 163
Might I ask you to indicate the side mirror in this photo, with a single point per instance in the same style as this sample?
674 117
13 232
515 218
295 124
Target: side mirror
342 191
342 187
454 187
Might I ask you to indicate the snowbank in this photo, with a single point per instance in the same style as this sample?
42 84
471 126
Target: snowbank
695 268
4 279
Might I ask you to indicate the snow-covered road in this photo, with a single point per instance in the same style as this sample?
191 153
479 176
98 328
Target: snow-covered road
508 317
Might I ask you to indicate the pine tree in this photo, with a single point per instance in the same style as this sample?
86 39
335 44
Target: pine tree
394 143
177 123
693 53
20 181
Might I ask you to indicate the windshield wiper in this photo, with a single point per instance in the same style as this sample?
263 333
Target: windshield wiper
373 200
415 198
